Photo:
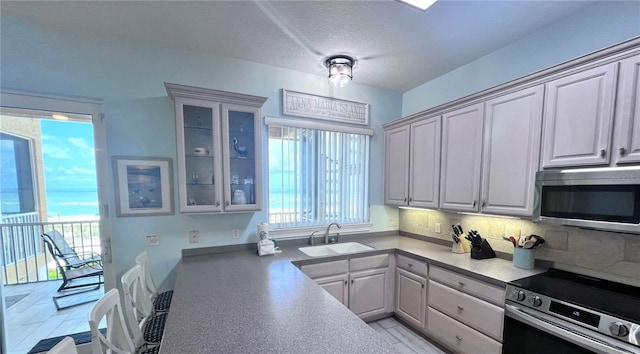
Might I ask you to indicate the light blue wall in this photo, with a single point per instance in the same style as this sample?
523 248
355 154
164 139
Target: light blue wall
595 27
129 77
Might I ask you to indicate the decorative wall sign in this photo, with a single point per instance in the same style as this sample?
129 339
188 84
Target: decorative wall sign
326 108
143 186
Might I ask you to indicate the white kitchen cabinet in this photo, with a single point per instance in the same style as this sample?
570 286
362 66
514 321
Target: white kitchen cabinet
218 150
367 292
511 152
424 165
459 337
411 290
463 313
396 187
412 164
461 158
578 118
411 297
364 284
337 286
626 147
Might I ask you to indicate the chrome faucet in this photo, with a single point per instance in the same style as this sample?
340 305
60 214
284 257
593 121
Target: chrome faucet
311 239
326 233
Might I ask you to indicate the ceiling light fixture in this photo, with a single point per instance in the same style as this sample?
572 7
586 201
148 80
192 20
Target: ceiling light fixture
421 4
340 69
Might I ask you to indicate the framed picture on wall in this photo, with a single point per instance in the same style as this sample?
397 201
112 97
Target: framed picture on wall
143 186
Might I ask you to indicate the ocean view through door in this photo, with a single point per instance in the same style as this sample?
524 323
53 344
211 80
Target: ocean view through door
48 185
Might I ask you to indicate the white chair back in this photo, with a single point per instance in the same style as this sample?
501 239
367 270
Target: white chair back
65 346
137 305
117 339
143 260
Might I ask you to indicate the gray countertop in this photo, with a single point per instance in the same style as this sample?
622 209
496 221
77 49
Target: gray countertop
237 302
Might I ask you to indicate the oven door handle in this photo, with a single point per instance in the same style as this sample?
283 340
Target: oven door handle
566 331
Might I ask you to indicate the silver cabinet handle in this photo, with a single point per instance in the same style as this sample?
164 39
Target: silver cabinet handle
458 338
603 153
405 199
217 203
410 264
484 203
623 151
460 309
461 283
475 202
228 203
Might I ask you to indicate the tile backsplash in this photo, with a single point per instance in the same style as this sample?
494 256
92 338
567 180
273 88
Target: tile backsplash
606 255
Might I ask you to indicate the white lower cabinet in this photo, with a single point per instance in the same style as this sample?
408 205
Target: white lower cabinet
464 314
367 295
337 286
458 337
364 284
411 291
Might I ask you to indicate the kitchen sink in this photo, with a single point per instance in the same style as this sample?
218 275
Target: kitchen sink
335 249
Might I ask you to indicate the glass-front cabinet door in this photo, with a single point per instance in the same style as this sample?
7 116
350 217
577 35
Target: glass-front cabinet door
241 158
199 165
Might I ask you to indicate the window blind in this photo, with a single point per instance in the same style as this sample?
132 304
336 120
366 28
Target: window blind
317 177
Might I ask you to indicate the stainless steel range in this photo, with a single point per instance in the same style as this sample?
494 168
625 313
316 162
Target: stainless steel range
563 312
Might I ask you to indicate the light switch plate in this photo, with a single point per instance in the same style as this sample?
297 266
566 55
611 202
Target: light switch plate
235 233
438 228
194 236
151 240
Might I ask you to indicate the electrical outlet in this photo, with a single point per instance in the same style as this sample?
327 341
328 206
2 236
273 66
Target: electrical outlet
235 233
393 222
437 227
194 236
151 240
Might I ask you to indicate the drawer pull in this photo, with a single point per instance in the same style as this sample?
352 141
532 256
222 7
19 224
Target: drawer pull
460 309
410 264
345 282
458 338
461 283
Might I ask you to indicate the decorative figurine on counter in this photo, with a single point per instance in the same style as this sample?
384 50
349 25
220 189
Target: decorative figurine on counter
241 150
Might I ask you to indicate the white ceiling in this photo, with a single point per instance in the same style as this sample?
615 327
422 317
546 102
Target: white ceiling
397 46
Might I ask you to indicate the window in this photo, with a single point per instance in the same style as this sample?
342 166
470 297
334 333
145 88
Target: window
317 176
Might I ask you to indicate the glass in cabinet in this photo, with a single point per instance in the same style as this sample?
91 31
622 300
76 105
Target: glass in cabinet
241 128
198 166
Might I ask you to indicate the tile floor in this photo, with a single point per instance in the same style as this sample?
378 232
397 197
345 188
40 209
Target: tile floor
35 316
402 338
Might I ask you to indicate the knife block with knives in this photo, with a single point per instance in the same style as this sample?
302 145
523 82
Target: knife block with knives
480 248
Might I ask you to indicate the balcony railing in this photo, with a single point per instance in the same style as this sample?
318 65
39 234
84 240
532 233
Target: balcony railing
25 259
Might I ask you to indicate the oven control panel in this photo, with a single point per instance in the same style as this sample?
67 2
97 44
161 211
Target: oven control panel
594 320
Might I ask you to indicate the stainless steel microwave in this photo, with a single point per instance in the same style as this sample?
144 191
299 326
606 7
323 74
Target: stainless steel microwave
603 199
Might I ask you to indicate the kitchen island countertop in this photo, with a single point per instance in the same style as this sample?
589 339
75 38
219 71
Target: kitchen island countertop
237 302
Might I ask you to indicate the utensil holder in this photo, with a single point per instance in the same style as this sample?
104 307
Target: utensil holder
483 252
524 258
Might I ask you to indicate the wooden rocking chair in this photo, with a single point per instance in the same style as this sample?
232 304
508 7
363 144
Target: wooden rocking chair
73 267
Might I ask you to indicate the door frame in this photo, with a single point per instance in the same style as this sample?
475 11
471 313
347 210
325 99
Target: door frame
78 105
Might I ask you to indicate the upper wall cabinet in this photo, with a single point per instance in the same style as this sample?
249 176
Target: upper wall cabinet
218 150
412 157
461 158
511 152
626 147
578 118
396 187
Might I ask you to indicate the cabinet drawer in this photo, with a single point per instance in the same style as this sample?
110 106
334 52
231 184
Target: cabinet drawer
477 288
370 262
325 269
457 336
478 314
412 265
